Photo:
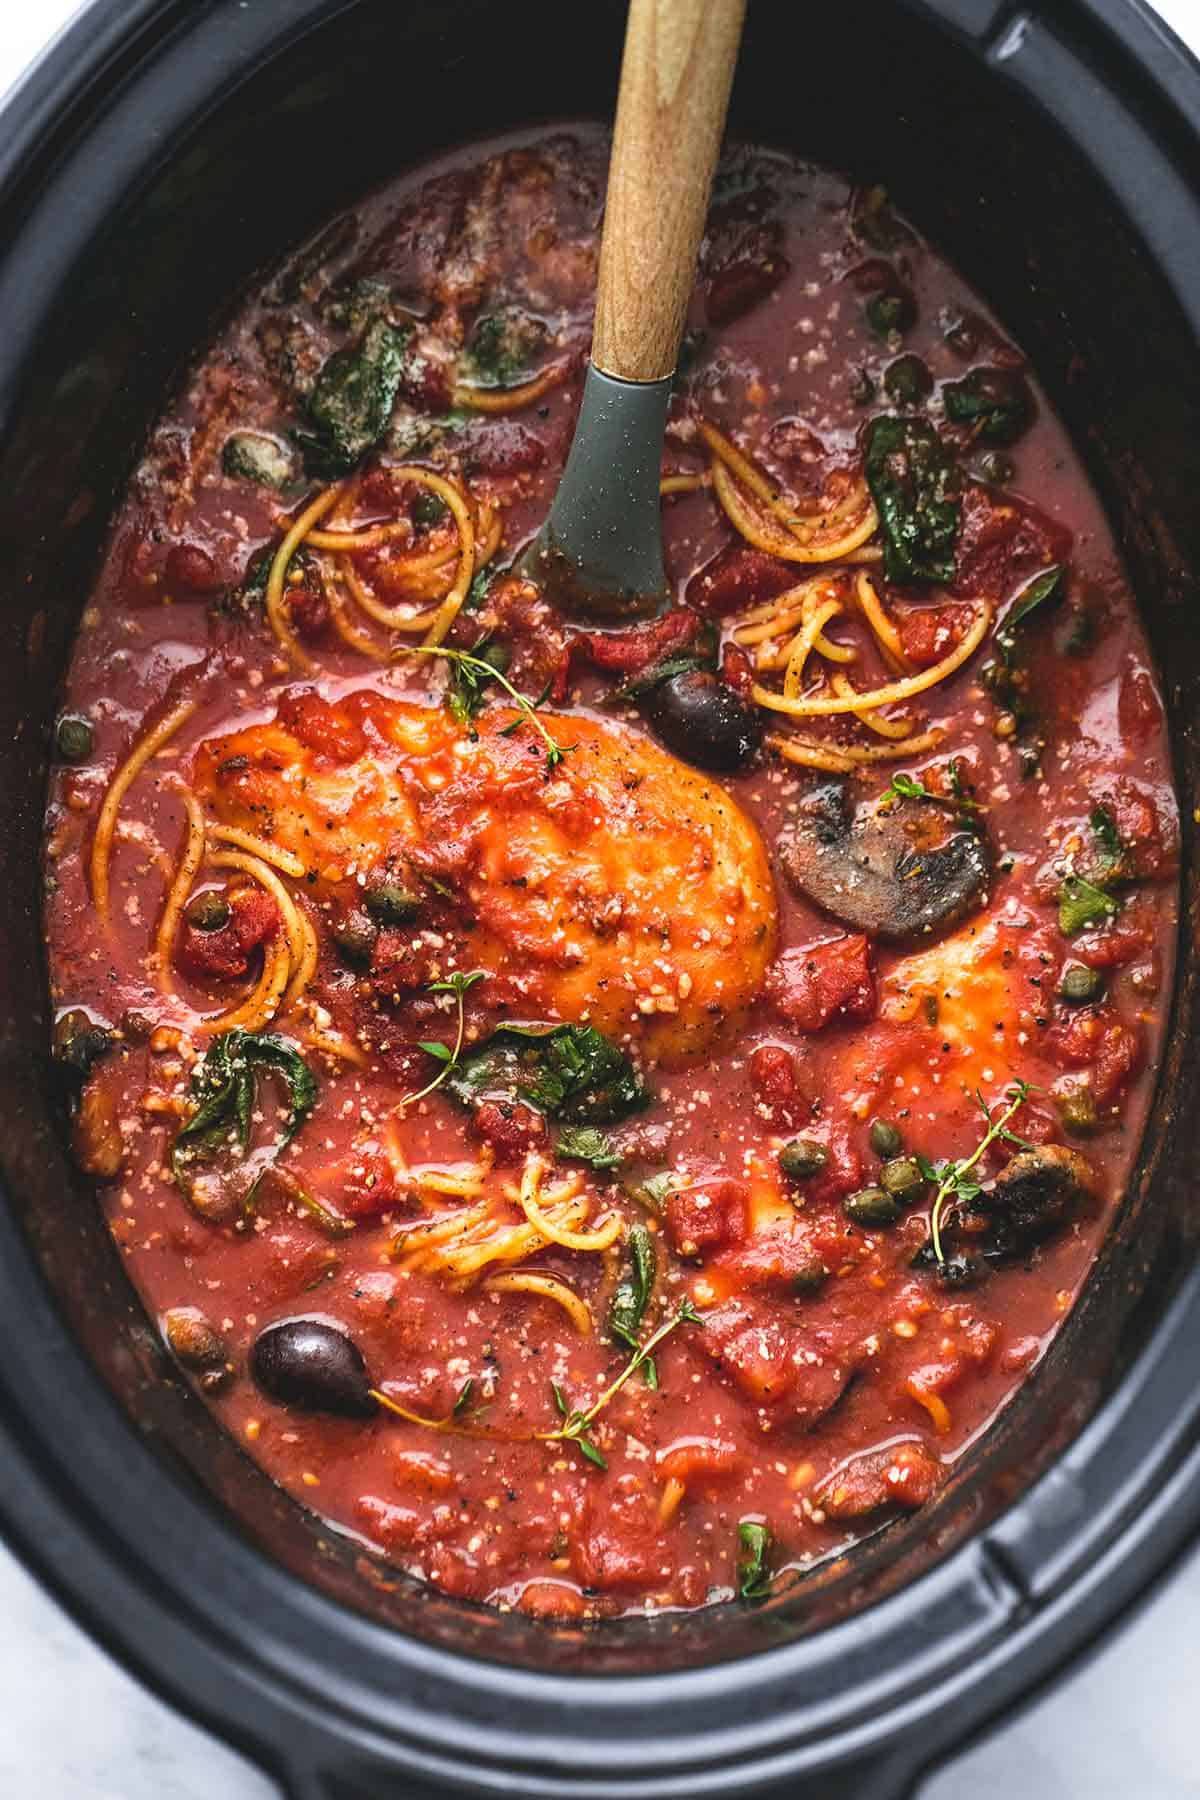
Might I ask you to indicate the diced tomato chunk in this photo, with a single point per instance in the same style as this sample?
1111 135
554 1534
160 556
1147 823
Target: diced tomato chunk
773 1076
737 578
1118 944
1002 541
1139 710
629 652
1148 833
510 1129
395 1527
928 633
621 1543
309 609
902 1475
225 954
501 447
327 730
1093 1038
706 1214
815 983
737 671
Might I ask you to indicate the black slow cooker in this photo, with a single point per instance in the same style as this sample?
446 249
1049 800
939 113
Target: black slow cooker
161 154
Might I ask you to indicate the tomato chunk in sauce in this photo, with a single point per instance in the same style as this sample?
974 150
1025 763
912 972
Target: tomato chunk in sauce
579 1093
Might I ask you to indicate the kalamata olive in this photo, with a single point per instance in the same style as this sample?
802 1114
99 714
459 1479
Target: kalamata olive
802 1158
901 1177
355 937
1080 985
313 1366
871 1207
208 911
704 721
74 739
908 380
391 904
885 1139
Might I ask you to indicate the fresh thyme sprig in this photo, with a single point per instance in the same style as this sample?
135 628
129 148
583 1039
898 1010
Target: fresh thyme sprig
954 1180
907 787
459 985
577 1422
555 752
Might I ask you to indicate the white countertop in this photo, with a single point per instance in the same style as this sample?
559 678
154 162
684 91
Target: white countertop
77 1727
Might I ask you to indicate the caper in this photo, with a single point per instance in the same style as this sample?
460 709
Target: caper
79 1042
428 510
809 1278
313 1366
1077 1111
997 468
208 911
885 1138
871 1206
391 904
901 1177
1079 985
355 936
908 380
892 310
802 1158
74 739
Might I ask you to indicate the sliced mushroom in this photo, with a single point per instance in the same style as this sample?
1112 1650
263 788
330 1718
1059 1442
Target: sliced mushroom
1039 1192
864 868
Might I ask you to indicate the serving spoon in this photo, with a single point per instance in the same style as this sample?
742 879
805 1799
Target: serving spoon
599 552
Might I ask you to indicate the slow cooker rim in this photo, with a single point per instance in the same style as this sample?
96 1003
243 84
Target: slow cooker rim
96 1558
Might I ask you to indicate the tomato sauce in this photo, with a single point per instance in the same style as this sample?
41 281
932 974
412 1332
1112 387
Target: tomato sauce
821 986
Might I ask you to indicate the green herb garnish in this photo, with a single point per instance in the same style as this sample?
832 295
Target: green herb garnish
577 1422
997 403
632 1296
954 1180
1080 903
465 659
465 694
587 1144
754 1574
459 984
568 1072
915 483
352 399
1046 586
224 1086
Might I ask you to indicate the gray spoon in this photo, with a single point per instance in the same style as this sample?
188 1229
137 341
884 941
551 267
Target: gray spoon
600 551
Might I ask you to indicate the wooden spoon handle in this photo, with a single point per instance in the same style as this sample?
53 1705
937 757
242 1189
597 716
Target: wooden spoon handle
675 80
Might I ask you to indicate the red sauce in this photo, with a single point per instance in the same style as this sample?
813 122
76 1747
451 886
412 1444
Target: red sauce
830 1377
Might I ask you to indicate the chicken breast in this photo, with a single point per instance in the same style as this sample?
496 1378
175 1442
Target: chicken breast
620 888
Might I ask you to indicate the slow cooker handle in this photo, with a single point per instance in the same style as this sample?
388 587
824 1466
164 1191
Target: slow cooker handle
890 1778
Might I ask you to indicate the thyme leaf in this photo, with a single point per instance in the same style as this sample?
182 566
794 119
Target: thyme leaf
459 984
955 1181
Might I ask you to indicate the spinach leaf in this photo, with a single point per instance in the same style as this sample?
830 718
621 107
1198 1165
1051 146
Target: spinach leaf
351 401
754 1574
500 350
632 1296
1114 855
914 482
224 1087
586 1143
653 1193
996 402
1080 903
257 456
1044 587
568 1072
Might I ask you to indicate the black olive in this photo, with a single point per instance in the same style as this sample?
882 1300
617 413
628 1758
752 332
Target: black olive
802 1158
73 739
79 1042
313 1366
892 310
901 1177
908 380
702 720
1080 985
355 937
885 1139
392 904
208 911
871 1207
